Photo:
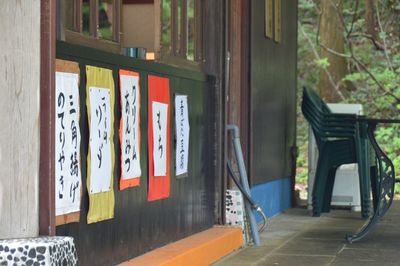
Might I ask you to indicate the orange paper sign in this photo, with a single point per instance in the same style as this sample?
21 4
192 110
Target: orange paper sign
129 131
159 137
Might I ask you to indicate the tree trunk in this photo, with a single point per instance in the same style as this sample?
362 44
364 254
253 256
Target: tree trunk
331 36
370 23
369 17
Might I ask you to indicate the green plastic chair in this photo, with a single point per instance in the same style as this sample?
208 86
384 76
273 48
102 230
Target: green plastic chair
341 139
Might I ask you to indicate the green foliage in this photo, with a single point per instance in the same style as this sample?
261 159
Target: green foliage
306 5
375 75
354 77
322 62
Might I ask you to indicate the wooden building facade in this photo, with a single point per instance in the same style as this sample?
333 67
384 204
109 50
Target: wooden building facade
234 60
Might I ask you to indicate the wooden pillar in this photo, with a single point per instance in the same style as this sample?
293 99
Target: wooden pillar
19 118
213 16
239 87
47 120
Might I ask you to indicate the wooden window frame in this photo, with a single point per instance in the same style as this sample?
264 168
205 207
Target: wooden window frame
177 55
75 35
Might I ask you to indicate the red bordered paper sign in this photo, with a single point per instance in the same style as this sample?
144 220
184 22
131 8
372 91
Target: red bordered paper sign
159 137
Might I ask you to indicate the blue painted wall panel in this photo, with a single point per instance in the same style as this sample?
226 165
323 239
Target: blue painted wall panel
273 197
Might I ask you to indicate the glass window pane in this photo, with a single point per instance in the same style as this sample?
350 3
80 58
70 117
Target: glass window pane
86 17
166 26
106 13
191 30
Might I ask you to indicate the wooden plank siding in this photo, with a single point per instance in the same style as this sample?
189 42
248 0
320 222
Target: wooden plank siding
273 95
139 225
19 118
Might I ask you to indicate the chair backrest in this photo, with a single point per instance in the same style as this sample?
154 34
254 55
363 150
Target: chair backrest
313 98
313 109
323 122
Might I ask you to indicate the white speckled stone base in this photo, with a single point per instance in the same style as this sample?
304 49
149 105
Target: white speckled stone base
38 251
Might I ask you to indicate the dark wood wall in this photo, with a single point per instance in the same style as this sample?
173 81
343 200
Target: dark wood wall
213 20
139 225
273 95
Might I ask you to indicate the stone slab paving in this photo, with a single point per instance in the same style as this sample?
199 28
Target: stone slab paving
295 238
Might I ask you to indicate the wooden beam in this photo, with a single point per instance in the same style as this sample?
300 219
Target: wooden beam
132 2
198 37
245 81
174 28
78 15
157 29
94 17
183 29
117 21
47 120
213 61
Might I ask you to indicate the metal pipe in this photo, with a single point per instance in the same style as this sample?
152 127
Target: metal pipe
248 197
244 181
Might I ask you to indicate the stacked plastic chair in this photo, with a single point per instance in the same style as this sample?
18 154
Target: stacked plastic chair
341 139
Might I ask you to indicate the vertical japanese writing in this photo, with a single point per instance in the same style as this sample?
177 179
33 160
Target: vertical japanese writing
68 177
160 145
160 112
61 156
102 129
130 127
182 134
128 146
100 147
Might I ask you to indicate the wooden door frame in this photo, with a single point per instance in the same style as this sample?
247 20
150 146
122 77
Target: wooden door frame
238 89
47 119
239 82
245 82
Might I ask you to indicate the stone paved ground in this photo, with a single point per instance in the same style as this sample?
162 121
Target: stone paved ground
294 238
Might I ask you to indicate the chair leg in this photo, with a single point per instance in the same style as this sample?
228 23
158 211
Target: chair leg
365 187
374 186
326 206
319 188
363 160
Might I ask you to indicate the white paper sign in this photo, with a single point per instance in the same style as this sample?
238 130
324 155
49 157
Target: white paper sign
182 134
68 141
100 141
160 112
130 127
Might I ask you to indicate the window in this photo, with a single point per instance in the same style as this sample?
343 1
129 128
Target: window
94 23
167 30
181 30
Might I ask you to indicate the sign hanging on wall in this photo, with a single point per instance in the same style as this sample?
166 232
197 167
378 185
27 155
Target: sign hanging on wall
100 141
100 105
159 137
67 144
160 114
182 135
129 131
